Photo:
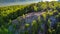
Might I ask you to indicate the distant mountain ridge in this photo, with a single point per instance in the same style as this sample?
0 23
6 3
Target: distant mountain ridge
16 2
9 1
19 2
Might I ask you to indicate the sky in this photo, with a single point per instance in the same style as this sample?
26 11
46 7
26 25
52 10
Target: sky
19 2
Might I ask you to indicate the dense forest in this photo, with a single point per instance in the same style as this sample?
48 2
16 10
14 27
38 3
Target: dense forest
46 23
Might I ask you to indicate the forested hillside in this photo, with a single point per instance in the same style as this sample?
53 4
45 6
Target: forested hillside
13 19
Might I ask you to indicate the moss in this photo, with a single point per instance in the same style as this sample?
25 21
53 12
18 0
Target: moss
27 25
34 22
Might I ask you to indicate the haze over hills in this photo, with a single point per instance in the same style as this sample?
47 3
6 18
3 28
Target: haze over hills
16 2
9 1
19 2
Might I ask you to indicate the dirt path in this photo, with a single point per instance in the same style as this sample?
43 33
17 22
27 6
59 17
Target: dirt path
28 19
34 13
29 16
